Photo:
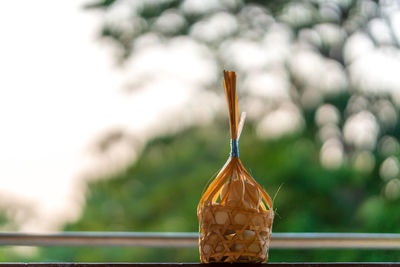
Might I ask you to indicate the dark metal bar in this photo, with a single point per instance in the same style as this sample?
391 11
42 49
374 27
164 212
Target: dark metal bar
270 264
278 240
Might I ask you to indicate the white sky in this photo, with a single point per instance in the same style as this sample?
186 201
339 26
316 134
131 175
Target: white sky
60 89
57 89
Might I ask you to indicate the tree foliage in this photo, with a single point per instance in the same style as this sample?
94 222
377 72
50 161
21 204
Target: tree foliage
160 191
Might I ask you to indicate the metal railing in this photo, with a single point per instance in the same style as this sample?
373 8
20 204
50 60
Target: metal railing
278 240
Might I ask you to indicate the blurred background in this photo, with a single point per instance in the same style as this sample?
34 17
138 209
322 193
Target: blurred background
113 118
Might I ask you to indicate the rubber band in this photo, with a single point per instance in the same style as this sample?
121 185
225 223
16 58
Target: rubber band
234 148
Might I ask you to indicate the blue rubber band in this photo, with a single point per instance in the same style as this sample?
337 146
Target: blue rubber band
234 148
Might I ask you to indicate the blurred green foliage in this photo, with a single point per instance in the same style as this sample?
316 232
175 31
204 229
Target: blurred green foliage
161 190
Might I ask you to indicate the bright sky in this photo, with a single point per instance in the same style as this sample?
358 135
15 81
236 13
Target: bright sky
60 90
57 90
